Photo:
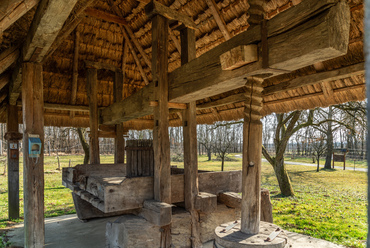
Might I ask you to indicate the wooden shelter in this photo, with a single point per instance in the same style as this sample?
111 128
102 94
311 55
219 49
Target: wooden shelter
119 65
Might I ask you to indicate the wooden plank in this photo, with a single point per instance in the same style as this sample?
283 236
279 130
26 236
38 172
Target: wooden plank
157 213
92 94
170 105
344 72
155 8
189 123
33 168
130 193
175 41
208 78
13 162
8 57
218 18
119 141
251 182
12 10
161 143
105 16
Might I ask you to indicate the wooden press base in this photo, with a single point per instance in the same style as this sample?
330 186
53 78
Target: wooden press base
234 238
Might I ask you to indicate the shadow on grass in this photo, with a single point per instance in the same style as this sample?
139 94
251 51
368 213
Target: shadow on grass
55 188
279 196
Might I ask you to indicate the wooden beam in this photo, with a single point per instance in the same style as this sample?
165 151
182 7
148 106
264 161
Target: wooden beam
208 78
92 94
12 10
218 18
105 16
344 72
119 141
239 56
229 99
157 213
189 123
175 41
33 168
252 159
124 60
70 25
130 34
155 8
162 170
4 80
170 105
13 162
74 87
47 22
8 58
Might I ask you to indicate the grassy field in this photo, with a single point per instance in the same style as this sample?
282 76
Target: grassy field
330 204
349 162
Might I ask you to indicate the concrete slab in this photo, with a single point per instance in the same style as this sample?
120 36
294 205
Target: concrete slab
69 231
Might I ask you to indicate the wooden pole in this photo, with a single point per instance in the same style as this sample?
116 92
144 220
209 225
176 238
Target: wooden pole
92 94
191 189
252 158
119 141
33 168
161 143
13 163
367 75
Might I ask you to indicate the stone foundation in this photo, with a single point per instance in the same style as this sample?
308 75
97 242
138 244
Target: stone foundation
133 231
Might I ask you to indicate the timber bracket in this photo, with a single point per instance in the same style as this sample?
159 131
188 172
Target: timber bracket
13 136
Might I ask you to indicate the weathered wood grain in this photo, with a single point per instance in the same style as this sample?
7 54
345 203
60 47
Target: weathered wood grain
119 141
33 168
13 162
92 95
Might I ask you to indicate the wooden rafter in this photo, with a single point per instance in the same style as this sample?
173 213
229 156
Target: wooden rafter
218 18
12 10
48 21
8 57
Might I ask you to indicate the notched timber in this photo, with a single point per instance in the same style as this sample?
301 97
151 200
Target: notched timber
155 8
204 77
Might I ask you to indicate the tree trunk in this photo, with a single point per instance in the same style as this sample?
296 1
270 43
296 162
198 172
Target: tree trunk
222 163
283 178
209 153
329 142
318 164
85 145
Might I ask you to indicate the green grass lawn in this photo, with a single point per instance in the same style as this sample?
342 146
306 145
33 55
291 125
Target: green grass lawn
330 204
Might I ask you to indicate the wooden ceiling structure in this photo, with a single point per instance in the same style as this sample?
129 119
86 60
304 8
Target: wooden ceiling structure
117 35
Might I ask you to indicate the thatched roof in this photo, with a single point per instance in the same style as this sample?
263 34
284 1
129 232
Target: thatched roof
102 41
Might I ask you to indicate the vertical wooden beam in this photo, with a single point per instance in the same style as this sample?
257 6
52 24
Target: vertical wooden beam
119 141
75 70
189 118
367 75
161 143
13 162
252 159
33 168
92 94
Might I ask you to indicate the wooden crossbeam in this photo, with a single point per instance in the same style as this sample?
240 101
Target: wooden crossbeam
155 8
12 10
105 16
101 66
208 79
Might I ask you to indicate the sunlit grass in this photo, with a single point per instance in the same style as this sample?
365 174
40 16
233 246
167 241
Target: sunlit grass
330 204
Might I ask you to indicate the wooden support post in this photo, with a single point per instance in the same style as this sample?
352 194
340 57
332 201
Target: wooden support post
33 168
119 141
191 188
13 162
92 94
161 143
252 158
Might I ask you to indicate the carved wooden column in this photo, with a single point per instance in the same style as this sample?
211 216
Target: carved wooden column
252 158
33 167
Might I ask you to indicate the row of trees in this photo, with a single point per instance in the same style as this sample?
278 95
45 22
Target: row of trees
310 132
